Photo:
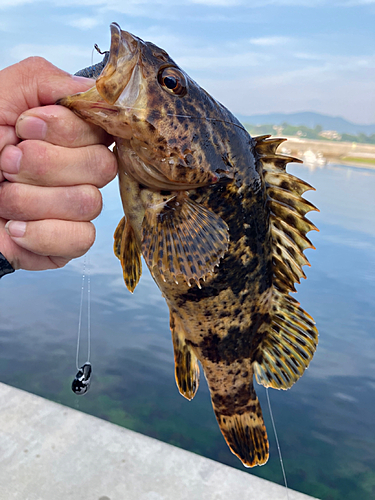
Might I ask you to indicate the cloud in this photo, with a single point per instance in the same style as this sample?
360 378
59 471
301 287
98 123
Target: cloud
146 7
84 23
221 64
218 3
4 4
354 3
288 67
270 41
308 56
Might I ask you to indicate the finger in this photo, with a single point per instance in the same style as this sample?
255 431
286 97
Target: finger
44 164
7 136
53 238
38 83
23 202
60 126
19 258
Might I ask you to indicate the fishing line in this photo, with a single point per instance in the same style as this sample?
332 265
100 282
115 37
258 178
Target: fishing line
82 380
278 444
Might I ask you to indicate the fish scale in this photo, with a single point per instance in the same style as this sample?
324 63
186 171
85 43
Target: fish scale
221 226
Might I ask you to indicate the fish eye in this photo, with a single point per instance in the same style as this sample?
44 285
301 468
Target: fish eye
173 81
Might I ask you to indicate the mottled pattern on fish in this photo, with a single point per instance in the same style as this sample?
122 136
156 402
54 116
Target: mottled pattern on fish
221 226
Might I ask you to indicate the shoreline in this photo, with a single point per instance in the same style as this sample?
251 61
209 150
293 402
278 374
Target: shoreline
322 152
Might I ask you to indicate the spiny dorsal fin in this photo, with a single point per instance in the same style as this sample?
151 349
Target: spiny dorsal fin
186 362
266 146
182 238
288 182
287 214
266 151
127 250
290 338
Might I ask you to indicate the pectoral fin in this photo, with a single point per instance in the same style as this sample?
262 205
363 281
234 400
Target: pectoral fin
182 238
127 250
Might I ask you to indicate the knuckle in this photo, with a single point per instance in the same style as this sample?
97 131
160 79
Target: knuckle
36 159
90 201
86 238
32 70
72 128
111 165
34 64
14 199
105 164
11 198
91 234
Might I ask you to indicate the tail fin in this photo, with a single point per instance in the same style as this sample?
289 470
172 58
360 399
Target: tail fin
245 434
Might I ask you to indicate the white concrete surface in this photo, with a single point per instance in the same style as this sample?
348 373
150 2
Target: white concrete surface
51 452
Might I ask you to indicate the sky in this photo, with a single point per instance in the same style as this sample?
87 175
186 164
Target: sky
254 56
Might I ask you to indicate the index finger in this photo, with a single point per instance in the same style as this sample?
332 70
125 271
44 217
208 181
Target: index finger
35 82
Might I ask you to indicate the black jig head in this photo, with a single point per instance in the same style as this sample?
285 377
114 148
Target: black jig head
81 383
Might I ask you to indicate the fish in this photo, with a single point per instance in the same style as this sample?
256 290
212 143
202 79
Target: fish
220 225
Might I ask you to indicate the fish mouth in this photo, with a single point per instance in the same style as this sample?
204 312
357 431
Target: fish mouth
116 88
119 70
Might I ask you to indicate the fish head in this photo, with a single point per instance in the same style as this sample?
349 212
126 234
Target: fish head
157 112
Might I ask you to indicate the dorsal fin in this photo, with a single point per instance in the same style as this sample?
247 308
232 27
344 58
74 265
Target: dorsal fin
290 338
287 213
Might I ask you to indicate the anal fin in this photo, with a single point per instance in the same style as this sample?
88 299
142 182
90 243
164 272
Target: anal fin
186 362
128 251
288 344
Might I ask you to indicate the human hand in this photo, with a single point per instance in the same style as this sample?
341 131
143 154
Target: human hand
51 166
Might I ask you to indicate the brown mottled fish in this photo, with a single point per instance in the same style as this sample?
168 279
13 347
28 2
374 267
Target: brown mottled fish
221 226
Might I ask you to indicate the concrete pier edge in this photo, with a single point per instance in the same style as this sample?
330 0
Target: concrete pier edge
49 451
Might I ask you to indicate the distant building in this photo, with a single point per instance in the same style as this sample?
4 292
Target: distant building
330 134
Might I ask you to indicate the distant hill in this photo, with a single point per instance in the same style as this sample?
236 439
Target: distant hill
310 120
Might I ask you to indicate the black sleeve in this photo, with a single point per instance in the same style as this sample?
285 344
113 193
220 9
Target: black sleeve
5 267
94 71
